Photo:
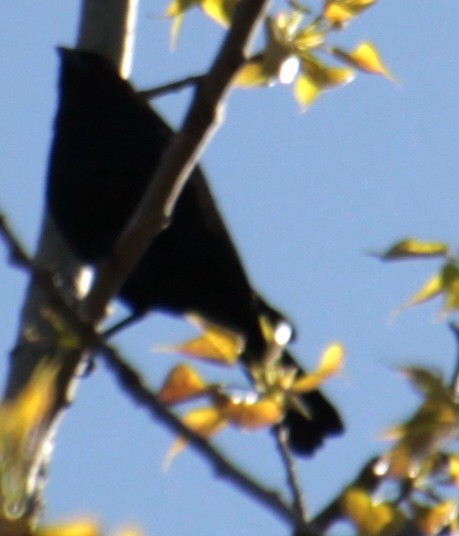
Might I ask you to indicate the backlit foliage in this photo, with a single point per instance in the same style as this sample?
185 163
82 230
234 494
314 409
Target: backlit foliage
298 48
275 389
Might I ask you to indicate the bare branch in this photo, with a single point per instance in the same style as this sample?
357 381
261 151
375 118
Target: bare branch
132 382
367 479
158 91
178 162
281 434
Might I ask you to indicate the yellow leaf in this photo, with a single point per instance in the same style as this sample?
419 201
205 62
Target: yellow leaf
76 528
22 420
179 7
215 344
366 58
182 383
308 38
252 74
332 359
220 11
205 422
253 414
306 91
331 363
337 14
431 520
371 518
326 77
340 12
428 430
453 469
431 289
413 248
450 278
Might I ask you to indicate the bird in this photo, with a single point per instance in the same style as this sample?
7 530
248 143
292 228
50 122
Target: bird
108 141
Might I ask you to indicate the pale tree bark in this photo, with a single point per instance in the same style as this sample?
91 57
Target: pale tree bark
108 28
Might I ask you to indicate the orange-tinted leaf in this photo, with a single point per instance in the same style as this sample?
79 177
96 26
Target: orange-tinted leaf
215 344
413 248
182 383
431 520
250 415
366 58
205 422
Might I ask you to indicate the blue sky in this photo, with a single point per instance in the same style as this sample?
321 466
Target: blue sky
304 196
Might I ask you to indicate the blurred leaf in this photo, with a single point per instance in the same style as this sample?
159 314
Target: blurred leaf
453 469
371 518
340 12
182 383
252 73
413 248
180 7
430 290
306 91
445 282
22 420
215 344
76 528
205 422
252 414
435 424
312 36
324 76
331 363
221 11
366 58
432 519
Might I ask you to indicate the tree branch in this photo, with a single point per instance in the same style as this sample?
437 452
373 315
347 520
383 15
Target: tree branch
158 91
133 384
299 505
178 162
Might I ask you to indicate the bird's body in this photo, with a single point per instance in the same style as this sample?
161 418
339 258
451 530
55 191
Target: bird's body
108 142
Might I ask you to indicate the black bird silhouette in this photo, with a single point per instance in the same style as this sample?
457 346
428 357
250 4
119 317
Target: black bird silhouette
107 144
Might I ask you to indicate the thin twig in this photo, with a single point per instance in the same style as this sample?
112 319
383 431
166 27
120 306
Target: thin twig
132 382
367 479
18 253
172 86
299 504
